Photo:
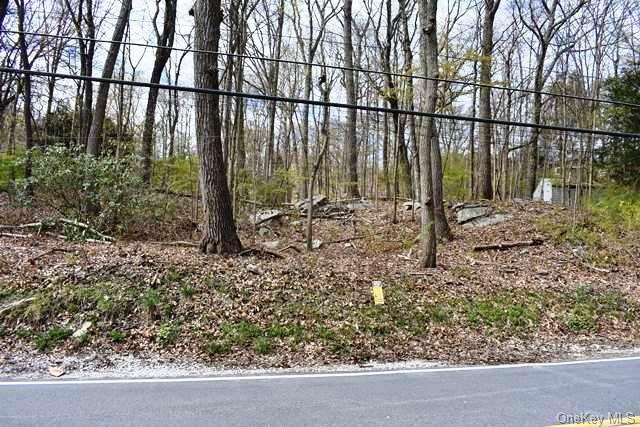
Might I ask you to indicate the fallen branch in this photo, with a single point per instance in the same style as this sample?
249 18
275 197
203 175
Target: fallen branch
15 304
261 251
294 247
16 236
179 243
86 227
508 245
49 252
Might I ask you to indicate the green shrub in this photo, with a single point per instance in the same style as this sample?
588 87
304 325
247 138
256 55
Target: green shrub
616 209
10 171
117 336
262 345
151 300
101 191
217 346
168 333
51 338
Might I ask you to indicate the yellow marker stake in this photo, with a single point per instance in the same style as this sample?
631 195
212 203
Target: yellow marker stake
378 294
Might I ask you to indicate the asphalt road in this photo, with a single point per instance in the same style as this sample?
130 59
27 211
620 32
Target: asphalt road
537 395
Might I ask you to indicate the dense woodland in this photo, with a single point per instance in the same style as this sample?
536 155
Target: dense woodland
243 104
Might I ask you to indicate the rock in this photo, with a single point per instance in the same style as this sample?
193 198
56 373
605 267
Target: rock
255 269
409 206
315 244
467 214
15 304
264 231
265 216
56 371
84 329
481 222
317 201
273 245
358 205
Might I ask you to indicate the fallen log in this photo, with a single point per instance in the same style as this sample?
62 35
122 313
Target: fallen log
261 251
508 245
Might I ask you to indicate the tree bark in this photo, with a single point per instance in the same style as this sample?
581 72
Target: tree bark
219 233
26 92
351 143
429 59
94 142
485 185
162 56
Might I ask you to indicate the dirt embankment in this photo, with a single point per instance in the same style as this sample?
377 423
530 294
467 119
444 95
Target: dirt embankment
153 300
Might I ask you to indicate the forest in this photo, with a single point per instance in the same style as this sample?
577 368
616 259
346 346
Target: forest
234 181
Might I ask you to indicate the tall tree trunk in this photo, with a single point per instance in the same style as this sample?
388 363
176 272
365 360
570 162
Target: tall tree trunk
429 59
4 4
351 144
485 185
95 134
26 91
162 56
532 171
219 233
274 74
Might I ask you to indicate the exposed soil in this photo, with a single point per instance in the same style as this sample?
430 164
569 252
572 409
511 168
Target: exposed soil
153 301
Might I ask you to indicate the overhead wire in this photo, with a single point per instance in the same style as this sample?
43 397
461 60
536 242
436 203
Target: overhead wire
336 67
245 95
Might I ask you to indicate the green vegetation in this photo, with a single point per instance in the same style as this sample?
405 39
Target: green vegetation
102 191
455 177
262 345
505 313
168 333
117 336
10 171
616 210
51 338
621 156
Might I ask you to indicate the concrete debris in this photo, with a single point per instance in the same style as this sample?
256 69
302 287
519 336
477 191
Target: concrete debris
265 216
411 206
84 329
255 269
486 221
273 245
357 205
303 205
264 231
469 213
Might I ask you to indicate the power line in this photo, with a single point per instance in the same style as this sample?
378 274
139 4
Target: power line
335 67
273 98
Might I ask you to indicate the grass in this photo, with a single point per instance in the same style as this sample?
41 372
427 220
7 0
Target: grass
117 336
506 313
51 338
168 333
262 345
187 291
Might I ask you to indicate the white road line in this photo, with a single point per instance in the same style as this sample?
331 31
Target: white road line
312 376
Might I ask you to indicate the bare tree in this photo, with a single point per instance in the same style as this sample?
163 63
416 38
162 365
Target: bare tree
95 133
25 63
82 16
351 144
484 181
544 19
165 40
429 60
219 233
